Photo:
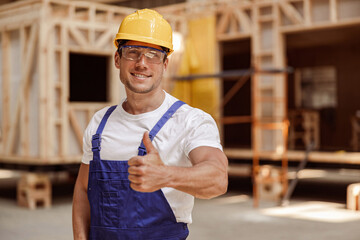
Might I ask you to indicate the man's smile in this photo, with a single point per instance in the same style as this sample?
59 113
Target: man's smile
141 76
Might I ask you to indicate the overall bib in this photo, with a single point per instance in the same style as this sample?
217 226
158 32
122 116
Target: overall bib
119 212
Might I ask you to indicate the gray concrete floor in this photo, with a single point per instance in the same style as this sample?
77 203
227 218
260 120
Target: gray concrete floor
316 211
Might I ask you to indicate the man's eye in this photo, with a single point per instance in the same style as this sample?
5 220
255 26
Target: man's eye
133 51
152 54
149 55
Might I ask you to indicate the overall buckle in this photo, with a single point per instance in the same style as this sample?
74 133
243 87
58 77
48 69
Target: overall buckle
142 151
95 142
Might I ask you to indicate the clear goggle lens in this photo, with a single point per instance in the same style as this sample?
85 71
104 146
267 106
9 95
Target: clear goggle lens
134 53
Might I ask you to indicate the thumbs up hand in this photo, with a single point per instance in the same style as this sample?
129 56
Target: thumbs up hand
147 173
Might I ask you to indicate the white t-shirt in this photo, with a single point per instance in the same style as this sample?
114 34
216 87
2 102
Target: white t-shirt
186 130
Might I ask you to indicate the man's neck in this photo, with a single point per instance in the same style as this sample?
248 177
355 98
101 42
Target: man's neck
142 103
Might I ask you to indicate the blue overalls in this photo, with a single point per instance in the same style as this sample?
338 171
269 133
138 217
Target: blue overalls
119 212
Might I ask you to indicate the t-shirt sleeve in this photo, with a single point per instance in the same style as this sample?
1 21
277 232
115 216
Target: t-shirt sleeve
202 131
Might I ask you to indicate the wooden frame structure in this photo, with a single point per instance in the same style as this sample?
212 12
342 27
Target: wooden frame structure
40 125
267 22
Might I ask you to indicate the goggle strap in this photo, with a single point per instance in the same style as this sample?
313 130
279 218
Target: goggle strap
135 46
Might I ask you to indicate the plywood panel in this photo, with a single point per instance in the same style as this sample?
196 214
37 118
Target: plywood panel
320 11
348 9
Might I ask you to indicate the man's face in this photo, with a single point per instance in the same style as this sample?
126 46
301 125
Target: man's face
140 75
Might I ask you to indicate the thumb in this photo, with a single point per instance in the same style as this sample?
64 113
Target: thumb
148 144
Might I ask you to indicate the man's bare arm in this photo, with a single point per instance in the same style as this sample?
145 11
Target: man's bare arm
207 178
81 207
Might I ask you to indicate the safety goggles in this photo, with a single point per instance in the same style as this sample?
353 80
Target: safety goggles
134 53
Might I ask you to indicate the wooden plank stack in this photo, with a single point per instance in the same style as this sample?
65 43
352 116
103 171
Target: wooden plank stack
34 190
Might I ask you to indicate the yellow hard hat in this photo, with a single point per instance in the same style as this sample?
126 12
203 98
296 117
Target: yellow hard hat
146 26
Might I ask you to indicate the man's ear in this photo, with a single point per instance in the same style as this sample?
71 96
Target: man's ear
117 60
166 63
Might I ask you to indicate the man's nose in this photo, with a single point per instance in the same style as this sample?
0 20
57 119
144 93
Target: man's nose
141 61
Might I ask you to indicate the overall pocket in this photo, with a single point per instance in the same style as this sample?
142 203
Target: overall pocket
113 201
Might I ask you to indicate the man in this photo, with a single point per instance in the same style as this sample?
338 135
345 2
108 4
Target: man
147 158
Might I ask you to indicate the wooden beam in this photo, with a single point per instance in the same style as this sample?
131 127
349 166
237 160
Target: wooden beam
307 12
278 46
43 90
223 23
239 170
87 105
234 89
24 115
236 119
89 114
18 5
31 46
104 39
109 1
54 144
234 26
321 26
291 12
27 78
64 90
235 36
9 14
76 126
255 36
8 11
6 70
243 19
55 160
86 50
314 156
91 30
98 6
334 10
78 36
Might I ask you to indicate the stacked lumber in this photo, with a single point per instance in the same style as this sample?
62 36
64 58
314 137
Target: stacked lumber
34 190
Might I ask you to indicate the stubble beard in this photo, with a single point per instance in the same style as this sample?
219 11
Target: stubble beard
138 90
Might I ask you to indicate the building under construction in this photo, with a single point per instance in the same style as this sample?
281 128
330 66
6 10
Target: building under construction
279 76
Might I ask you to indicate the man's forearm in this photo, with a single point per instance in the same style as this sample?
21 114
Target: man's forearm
202 181
207 178
80 214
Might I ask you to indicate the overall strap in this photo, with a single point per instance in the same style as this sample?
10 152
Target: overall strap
96 138
159 125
